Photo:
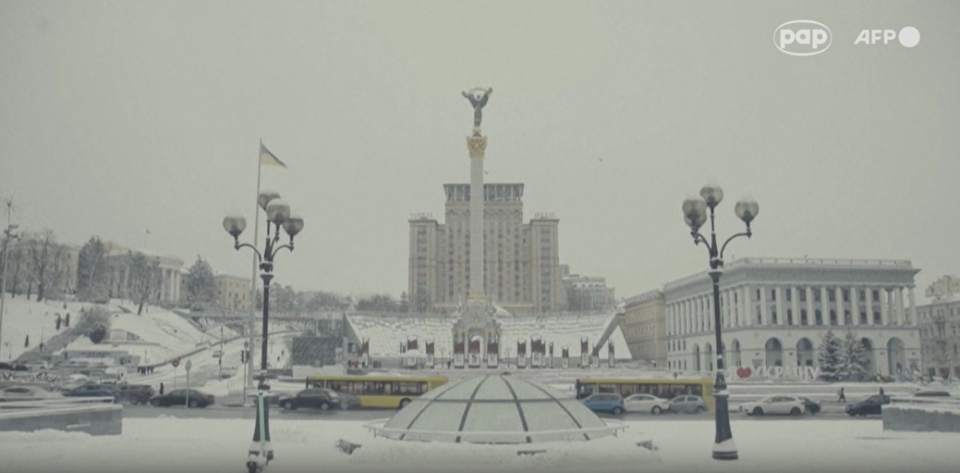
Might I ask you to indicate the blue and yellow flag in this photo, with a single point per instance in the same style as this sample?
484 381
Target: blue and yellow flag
266 157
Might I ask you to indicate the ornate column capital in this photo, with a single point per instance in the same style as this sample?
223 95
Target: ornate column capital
477 144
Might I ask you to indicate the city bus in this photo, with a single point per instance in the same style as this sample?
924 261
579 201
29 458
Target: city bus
662 388
379 391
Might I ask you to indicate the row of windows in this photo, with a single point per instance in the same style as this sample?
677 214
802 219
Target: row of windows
376 387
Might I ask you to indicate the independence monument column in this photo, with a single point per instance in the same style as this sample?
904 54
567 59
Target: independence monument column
477 145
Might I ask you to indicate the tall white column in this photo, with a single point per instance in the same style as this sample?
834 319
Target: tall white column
825 306
884 306
811 320
913 308
781 314
746 307
795 304
477 145
869 304
764 309
854 304
841 308
901 306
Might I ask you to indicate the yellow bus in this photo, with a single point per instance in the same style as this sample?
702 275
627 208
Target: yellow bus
379 391
662 388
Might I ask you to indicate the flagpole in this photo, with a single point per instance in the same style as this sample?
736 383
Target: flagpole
253 276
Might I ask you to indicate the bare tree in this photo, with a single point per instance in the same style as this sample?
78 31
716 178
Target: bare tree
45 253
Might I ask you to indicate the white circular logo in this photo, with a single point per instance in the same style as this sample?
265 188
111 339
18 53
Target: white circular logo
909 36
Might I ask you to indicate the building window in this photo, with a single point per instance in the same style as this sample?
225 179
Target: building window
818 317
816 295
847 319
803 317
876 295
863 317
846 295
789 317
803 294
831 296
773 317
833 317
789 295
773 294
876 318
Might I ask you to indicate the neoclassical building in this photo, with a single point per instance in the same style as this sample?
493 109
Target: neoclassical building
775 312
166 273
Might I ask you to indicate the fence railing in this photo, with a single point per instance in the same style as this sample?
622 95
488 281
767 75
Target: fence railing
612 427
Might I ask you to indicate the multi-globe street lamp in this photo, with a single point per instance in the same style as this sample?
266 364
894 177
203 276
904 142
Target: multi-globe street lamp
278 214
695 215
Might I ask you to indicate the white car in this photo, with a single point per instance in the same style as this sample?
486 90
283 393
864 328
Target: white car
784 405
26 393
646 403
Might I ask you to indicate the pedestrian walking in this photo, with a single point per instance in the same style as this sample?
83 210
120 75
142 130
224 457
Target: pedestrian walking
881 391
161 389
842 397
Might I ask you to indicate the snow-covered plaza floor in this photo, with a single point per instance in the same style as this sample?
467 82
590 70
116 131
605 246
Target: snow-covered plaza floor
206 445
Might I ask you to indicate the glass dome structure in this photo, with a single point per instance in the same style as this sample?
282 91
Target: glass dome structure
495 409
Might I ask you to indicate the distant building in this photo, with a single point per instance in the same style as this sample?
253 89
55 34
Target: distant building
165 269
232 292
586 292
775 312
35 257
939 324
645 327
521 259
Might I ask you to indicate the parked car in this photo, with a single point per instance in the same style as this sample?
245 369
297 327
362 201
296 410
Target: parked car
812 407
645 403
183 397
136 393
26 393
689 404
932 394
95 390
605 402
313 398
13 366
782 405
870 405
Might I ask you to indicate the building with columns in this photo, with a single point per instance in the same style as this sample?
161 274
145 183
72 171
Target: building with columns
775 311
166 274
644 327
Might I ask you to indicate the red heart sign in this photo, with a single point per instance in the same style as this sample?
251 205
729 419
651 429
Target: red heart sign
744 372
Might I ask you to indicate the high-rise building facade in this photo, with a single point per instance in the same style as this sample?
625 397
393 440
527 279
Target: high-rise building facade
521 260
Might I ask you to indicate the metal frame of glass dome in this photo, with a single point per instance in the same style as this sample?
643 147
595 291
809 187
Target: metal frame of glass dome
496 410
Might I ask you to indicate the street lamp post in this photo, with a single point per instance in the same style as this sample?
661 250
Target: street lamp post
695 215
278 214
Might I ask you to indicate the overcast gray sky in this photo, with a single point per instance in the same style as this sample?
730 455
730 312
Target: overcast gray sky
119 116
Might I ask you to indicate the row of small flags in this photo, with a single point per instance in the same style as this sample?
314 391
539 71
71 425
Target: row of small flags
537 345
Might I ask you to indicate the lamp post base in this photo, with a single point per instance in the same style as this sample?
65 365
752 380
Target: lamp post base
260 452
726 450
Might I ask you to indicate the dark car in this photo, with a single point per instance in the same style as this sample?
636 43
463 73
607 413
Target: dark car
871 405
313 398
183 397
811 406
95 390
136 393
932 394
13 366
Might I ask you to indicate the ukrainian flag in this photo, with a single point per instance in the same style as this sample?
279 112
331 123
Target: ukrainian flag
266 157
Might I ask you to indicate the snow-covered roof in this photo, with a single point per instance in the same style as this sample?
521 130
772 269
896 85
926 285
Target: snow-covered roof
495 409
387 332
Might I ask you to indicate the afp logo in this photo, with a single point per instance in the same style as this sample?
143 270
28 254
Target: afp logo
802 38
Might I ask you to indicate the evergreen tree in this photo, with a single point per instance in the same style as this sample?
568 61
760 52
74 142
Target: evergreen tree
92 274
854 360
829 356
200 284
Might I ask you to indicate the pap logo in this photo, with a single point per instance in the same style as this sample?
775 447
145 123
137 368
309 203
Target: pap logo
802 38
908 36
